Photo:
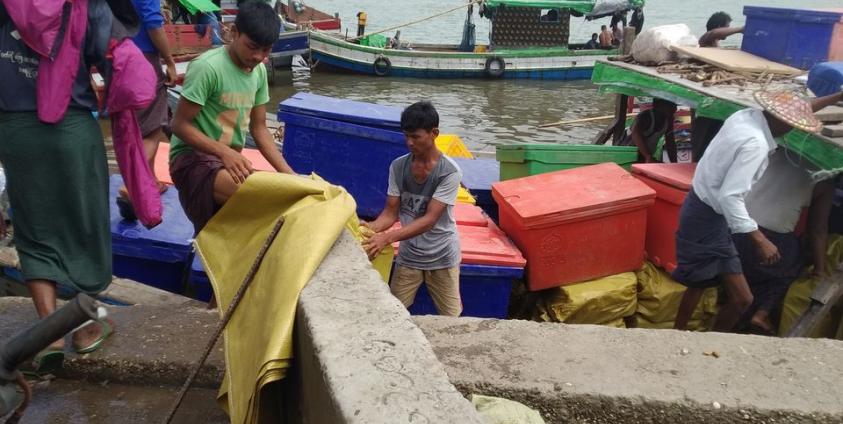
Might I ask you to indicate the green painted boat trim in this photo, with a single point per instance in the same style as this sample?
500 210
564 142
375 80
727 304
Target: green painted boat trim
508 53
583 6
827 156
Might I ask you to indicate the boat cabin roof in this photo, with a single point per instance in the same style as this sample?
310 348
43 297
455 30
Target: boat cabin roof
718 102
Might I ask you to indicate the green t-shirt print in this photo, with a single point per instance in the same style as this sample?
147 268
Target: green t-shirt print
227 95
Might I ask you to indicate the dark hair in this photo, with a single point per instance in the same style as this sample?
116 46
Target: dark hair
419 115
594 35
259 21
602 26
718 20
659 102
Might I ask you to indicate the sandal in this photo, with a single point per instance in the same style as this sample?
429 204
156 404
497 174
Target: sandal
48 361
107 330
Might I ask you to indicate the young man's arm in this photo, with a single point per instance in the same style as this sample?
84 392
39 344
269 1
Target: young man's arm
236 164
377 242
736 185
821 102
820 210
710 37
153 21
265 142
670 143
638 138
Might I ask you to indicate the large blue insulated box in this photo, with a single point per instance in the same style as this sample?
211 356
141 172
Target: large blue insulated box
158 257
346 142
484 289
478 175
795 37
199 285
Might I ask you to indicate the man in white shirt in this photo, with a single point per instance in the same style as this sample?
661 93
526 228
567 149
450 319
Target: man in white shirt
715 209
776 202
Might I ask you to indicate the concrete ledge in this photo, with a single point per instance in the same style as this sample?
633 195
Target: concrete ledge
151 345
598 374
360 357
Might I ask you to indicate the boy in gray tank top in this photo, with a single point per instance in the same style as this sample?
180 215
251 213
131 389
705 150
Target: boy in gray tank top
422 192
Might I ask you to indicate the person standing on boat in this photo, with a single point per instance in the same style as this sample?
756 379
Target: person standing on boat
718 28
152 41
649 127
422 193
361 23
605 38
225 92
53 152
715 207
637 20
617 35
776 203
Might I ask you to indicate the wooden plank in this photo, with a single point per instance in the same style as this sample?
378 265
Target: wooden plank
830 114
833 130
736 60
827 294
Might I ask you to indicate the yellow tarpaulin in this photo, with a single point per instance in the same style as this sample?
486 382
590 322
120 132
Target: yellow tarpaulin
659 297
258 339
604 301
798 299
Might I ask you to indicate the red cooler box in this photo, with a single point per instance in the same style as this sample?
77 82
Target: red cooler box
577 224
671 181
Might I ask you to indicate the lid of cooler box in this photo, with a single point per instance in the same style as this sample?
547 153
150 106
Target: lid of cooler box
572 194
479 174
338 109
483 245
677 175
814 16
467 214
488 245
170 241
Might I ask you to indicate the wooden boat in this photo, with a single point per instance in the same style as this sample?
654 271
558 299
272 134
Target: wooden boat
529 39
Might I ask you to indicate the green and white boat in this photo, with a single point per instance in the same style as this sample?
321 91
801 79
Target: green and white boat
529 39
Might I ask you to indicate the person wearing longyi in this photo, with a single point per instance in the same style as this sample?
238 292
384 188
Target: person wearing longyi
225 95
715 207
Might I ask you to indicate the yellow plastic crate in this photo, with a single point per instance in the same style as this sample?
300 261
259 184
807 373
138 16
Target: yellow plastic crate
452 145
464 196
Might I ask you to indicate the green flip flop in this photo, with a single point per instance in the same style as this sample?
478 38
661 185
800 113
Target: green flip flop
107 330
48 361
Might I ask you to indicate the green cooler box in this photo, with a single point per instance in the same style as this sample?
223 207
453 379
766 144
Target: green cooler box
522 160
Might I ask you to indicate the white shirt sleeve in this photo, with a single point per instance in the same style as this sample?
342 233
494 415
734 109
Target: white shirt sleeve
748 162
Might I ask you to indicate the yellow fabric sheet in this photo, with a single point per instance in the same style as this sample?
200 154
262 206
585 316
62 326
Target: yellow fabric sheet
659 297
258 339
603 301
798 299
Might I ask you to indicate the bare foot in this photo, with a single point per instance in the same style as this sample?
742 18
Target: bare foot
761 320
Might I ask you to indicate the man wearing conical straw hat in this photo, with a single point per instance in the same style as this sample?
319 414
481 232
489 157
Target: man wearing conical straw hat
715 207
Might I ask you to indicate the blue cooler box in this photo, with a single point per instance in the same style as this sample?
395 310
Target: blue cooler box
199 285
347 143
795 37
826 78
478 175
484 290
157 257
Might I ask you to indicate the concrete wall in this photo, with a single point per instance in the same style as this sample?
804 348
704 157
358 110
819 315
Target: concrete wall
360 357
605 375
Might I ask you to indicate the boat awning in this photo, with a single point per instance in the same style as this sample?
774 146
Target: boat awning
581 6
194 6
717 102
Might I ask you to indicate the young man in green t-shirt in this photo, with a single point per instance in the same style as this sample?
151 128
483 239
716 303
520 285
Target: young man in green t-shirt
225 92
